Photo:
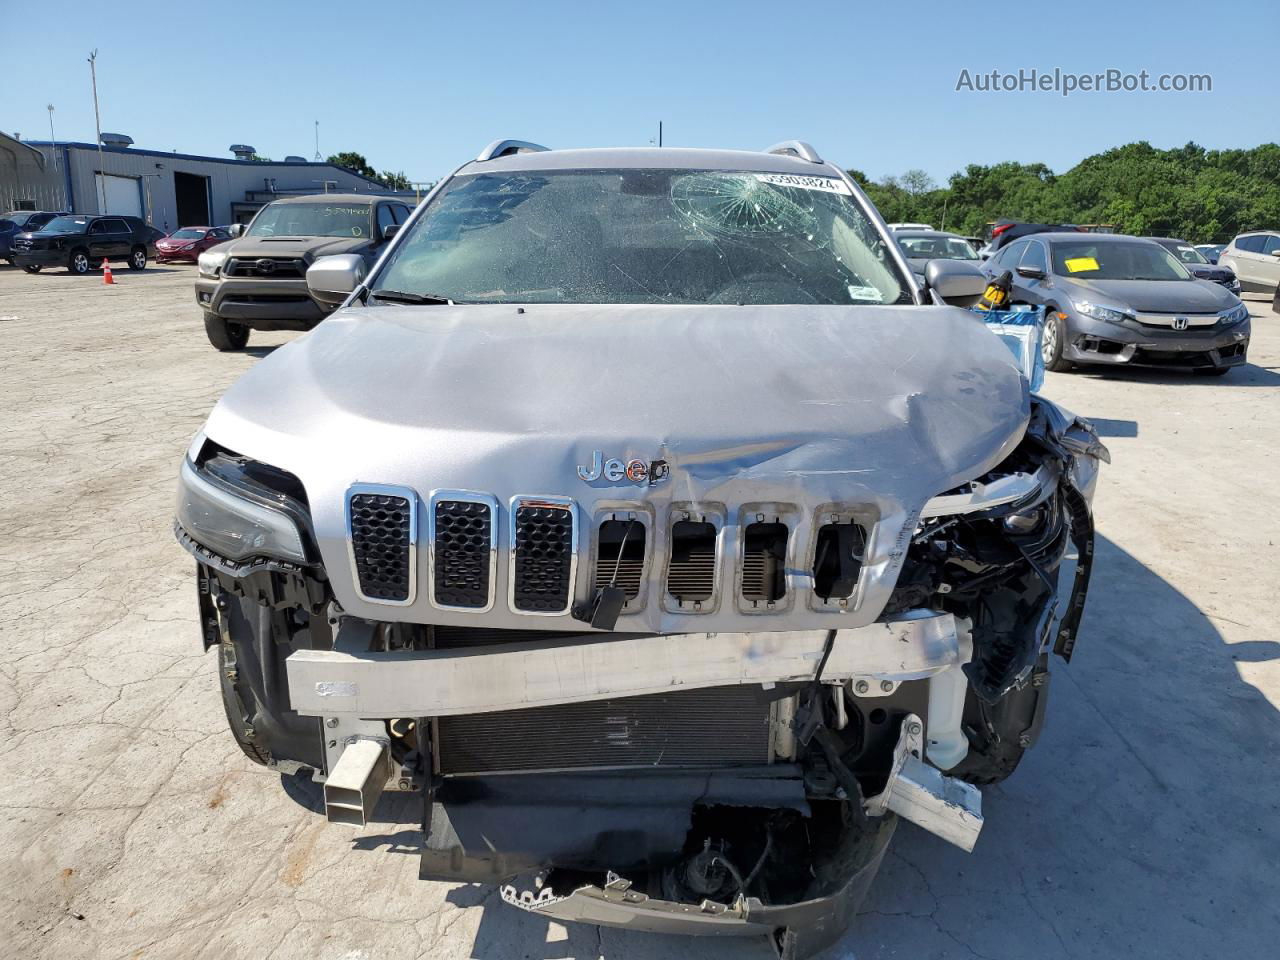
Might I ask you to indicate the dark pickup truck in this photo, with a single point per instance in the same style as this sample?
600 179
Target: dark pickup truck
258 281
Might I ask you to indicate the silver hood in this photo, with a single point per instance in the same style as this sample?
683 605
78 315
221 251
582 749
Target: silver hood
797 409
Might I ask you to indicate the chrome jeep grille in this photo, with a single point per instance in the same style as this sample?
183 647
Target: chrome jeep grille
462 551
544 545
382 530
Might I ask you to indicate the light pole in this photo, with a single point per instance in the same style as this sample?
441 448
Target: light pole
52 138
97 122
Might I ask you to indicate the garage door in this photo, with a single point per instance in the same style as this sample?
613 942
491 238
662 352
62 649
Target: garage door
123 195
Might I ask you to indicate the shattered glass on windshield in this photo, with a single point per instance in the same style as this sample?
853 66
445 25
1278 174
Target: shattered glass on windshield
646 236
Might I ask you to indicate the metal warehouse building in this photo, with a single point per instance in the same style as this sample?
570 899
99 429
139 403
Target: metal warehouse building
169 190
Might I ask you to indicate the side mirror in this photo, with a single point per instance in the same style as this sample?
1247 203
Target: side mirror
330 280
1033 273
236 230
390 230
1275 253
957 282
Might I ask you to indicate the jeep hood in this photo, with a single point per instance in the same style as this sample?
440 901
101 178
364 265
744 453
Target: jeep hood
310 247
775 407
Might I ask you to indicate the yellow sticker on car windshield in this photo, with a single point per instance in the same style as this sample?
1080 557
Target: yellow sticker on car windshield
1080 264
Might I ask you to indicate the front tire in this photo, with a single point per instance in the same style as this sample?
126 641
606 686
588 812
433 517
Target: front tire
226 335
79 262
138 259
31 268
1053 337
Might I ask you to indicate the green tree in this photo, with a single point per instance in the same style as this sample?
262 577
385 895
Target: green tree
394 180
355 162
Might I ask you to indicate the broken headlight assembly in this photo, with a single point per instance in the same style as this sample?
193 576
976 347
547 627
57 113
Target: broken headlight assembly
230 506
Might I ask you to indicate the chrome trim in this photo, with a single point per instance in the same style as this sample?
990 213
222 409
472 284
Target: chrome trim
1194 320
386 490
523 500
464 496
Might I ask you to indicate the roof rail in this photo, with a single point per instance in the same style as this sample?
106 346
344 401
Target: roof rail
796 148
503 148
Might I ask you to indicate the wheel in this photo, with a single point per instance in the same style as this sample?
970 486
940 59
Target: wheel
226 335
1051 341
79 262
239 720
1211 371
138 258
31 267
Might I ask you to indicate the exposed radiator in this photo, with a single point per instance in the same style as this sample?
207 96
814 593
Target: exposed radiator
717 727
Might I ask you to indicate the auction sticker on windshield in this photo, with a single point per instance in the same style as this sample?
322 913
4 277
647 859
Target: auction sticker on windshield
1080 264
822 184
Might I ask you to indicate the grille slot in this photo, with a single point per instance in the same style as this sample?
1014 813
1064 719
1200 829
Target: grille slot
764 563
691 576
838 558
462 552
716 727
620 556
382 532
542 556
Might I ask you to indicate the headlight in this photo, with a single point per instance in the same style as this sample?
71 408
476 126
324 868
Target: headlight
233 526
1237 314
210 262
1100 312
189 246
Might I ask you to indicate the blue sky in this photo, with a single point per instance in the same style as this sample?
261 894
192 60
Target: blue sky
421 87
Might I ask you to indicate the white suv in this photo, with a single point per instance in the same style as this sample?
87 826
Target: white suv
1255 257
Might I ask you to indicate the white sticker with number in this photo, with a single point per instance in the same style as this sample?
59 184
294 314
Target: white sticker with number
821 184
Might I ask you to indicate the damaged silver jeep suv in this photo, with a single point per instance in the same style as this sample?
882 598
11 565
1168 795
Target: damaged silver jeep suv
641 512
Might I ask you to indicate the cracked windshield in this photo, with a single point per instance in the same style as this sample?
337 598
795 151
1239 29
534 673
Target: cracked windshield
646 236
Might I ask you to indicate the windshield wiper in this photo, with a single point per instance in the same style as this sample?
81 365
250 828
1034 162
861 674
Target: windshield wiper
399 296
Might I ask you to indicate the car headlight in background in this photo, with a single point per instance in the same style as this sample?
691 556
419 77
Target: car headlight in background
233 526
1237 314
210 262
1100 312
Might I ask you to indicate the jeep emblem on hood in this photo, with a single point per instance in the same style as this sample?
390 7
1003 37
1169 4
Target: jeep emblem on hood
615 471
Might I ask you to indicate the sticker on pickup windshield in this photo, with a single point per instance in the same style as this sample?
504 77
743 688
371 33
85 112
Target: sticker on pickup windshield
1080 264
821 184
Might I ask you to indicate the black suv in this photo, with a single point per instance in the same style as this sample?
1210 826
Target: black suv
80 242
16 221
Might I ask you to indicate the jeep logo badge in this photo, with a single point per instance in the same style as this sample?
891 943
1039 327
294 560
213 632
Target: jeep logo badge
616 471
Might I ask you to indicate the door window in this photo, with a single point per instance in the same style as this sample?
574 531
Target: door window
1010 255
385 219
1272 245
1250 244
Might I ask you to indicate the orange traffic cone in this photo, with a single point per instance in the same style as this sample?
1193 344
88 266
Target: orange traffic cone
106 272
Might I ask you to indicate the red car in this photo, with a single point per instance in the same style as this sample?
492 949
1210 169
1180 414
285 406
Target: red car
189 242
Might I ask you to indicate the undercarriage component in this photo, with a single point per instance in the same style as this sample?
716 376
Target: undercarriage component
945 806
795 930
354 785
